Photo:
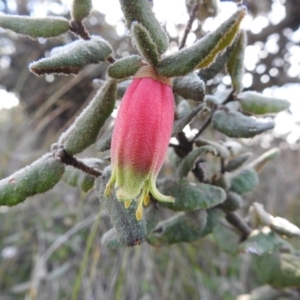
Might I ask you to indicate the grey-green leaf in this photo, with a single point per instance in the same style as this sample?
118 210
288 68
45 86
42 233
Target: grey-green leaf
141 11
236 125
185 227
82 180
217 66
244 181
280 270
259 163
35 27
226 239
104 141
84 131
190 87
81 9
188 162
110 239
258 104
76 57
144 43
233 202
221 150
39 177
189 196
235 64
204 52
130 231
260 242
182 227
182 122
125 67
284 227
237 162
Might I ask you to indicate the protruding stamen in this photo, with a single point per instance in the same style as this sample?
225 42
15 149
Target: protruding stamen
146 199
139 212
108 190
127 203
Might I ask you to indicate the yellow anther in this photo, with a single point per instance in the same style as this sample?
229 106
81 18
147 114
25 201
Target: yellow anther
146 200
108 190
139 212
127 203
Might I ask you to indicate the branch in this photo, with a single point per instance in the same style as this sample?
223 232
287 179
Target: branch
236 221
189 24
79 29
70 160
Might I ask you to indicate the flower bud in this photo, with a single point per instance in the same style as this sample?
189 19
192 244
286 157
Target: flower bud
140 138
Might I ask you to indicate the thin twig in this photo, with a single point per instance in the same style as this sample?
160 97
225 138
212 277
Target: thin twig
208 121
229 98
59 152
184 147
205 125
110 59
236 221
173 145
222 165
189 24
79 29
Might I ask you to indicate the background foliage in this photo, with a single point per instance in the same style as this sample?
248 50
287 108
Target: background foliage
57 227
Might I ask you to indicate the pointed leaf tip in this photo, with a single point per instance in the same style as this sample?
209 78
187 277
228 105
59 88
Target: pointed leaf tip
74 58
237 125
144 43
204 52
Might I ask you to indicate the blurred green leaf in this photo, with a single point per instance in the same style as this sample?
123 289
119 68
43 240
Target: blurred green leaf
187 163
237 162
259 163
233 202
256 103
226 239
260 242
221 150
182 227
235 64
110 239
182 122
81 9
189 196
284 227
183 109
104 141
185 227
35 27
244 181
280 270
236 125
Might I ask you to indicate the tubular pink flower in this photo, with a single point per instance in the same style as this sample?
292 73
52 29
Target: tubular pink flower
140 138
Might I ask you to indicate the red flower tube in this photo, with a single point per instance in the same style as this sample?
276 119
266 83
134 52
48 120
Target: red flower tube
140 138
